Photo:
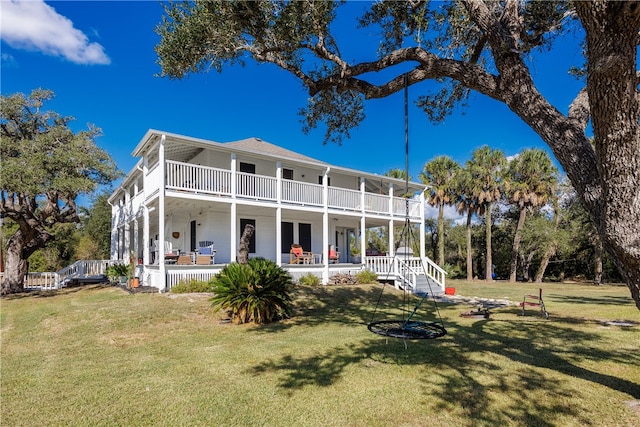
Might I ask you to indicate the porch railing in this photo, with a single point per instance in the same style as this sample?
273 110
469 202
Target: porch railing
208 180
57 280
406 270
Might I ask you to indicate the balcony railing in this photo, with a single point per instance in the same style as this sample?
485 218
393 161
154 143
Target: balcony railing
208 180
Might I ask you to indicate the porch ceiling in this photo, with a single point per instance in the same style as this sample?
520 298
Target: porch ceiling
181 152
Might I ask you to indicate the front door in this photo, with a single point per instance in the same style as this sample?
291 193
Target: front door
192 237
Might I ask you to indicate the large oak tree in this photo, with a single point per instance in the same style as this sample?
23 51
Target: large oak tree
45 166
467 46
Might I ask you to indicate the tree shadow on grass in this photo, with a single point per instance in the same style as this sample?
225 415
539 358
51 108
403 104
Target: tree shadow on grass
602 300
55 292
463 370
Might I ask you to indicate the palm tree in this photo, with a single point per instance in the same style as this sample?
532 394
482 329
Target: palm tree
486 167
397 173
532 182
467 204
439 175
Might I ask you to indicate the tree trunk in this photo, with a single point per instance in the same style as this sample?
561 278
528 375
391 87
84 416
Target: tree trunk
243 248
612 87
16 266
516 245
526 266
469 250
551 251
441 234
597 261
489 265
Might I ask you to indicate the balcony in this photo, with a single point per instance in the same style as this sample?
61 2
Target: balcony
209 181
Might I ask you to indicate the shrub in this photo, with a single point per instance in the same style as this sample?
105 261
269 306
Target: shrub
191 285
309 279
255 292
453 271
117 270
366 276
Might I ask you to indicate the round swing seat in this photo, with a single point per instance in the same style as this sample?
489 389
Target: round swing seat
407 330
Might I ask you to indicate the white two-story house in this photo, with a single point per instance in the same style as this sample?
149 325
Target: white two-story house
180 212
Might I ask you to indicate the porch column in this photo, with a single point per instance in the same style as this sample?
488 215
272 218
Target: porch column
136 241
279 213
145 214
279 235
136 237
422 226
234 208
325 226
115 214
145 235
127 226
161 195
362 234
392 249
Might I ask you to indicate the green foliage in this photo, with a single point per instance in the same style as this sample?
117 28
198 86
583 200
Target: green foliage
191 285
118 270
255 292
45 167
453 271
309 279
96 226
366 276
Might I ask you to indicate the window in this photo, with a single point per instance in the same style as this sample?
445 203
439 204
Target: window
287 173
286 236
247 167
252 241
328 180
304 236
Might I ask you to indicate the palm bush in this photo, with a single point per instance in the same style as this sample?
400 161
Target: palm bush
255 292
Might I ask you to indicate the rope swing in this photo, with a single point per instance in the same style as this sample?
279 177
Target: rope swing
407 328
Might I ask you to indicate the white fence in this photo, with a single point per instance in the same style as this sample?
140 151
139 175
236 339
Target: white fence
77 270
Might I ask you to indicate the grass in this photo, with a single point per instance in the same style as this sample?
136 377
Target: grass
97 356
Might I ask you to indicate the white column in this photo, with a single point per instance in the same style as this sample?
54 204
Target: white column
161 196
422 226
279 214
279 235
115 213
145 214
233 217
325 226
361 233
127 226
392 249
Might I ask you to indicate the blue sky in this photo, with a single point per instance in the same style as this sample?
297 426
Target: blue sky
99 59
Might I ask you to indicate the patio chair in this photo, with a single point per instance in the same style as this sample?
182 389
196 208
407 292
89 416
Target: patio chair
203 260
334 256
184 260
297 255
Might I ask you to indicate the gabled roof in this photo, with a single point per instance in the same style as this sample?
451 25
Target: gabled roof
256 145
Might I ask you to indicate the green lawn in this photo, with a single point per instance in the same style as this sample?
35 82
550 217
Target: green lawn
98 356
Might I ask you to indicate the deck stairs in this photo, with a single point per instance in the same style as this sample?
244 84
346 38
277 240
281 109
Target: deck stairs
414 274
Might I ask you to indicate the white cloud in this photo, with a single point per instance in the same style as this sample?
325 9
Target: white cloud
35 25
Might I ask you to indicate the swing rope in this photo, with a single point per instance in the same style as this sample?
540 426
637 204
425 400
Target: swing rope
406 328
